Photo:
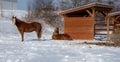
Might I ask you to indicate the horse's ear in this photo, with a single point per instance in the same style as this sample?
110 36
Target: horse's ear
57 28
13 16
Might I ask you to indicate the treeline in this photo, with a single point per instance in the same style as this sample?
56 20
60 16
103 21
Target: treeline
48 10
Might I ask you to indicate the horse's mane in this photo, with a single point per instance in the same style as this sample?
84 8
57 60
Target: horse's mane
18 20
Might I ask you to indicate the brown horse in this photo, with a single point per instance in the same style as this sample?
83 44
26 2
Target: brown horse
57 36
27 27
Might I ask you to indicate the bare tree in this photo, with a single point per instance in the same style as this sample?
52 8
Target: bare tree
110 2
100 1
76 3
28 18
65 4
45 10
87 1
42 7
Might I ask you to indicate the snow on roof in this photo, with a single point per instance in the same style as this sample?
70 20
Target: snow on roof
115 13
95 3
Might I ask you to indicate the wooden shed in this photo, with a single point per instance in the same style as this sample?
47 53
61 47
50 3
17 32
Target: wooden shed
115 16
80 23
115 36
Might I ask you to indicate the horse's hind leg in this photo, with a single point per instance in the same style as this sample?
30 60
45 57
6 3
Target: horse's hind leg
38 32
38 35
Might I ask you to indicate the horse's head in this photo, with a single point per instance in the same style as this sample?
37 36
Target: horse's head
56 31
13 19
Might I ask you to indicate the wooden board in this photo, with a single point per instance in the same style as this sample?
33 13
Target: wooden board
79 28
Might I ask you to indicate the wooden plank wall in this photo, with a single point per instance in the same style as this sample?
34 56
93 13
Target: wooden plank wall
79 28
101 27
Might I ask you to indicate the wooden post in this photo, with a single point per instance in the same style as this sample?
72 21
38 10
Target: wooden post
93 13
12 7
113 21
93 16
11 4
1 8
117 17
89 13
108 25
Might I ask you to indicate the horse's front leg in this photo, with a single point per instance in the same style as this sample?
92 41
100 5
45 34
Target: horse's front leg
22 35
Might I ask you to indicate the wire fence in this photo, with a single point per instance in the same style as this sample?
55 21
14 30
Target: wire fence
9 8
9 13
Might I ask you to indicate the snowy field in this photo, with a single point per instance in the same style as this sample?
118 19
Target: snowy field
47 50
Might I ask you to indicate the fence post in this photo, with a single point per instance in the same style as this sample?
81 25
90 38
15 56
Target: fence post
1 8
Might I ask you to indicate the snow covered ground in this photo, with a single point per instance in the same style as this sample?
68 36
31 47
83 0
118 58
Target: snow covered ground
47 50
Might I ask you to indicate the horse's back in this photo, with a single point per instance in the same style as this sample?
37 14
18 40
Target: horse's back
37 25
65 37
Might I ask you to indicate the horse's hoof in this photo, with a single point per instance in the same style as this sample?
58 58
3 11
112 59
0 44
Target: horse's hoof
22 40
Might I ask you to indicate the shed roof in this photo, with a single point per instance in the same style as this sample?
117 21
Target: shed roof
97 6
115 16
115 13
